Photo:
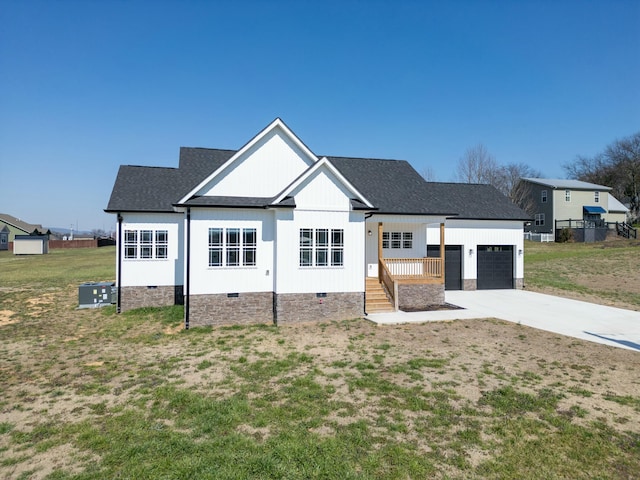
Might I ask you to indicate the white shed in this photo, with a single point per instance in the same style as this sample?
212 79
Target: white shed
31 244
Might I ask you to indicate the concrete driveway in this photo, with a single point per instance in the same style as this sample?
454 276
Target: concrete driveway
588 321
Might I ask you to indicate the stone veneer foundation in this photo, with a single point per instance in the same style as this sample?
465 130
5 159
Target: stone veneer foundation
160 296
226 309
303 307
472 284
469 284
416 296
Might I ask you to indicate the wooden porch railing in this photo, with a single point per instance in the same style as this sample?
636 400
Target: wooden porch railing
414 268
389 283
393 271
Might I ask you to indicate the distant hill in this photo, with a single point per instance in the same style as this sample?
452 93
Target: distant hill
66 231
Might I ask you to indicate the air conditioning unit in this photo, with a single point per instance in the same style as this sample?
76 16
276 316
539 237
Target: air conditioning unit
96 294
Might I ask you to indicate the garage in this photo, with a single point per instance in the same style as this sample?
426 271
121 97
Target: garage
495 266
452 264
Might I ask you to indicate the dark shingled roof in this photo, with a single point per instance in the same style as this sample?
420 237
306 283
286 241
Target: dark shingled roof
392 186
156 189
476 201
201 160
233 202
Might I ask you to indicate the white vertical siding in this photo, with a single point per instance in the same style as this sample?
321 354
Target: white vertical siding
419 249
322 191
212 280
263 171
292 278
399 223
471 233
154 272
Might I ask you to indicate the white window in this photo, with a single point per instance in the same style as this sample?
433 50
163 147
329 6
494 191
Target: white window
567 195
146 244
539 219
397 239
337 247
232 247
543 196
215 247
596 197
130 244
249 245
162 242
321 247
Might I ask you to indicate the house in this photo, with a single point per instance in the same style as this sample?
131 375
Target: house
484 242
4 238
18 227
273 233
561 204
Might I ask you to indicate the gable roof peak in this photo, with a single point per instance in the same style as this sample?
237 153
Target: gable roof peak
323 162
275 124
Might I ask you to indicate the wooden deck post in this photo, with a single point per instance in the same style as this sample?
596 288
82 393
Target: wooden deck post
380 251
442 249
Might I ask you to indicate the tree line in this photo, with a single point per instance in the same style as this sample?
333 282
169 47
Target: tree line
618 167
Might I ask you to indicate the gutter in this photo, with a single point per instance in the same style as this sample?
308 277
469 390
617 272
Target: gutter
119 250
188 271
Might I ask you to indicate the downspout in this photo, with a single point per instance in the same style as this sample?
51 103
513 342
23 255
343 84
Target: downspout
119 252
187 276
366 272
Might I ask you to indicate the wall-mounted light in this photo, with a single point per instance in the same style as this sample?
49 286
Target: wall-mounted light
520 252
369 233
470 251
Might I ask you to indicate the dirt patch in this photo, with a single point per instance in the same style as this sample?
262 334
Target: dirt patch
5 317
433 308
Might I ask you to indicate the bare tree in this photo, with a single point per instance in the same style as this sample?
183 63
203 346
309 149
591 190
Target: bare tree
515 189
428 174
618 167
477 165
99 233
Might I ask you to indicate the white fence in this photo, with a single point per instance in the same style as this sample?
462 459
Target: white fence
539 237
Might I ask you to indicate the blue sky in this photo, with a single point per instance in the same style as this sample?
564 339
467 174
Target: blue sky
86 86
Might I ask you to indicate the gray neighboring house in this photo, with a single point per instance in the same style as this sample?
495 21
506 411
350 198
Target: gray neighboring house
4 238
560 200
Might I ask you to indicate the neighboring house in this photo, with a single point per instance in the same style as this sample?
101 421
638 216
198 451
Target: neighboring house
18 227
272 232
4 238
618 212
584 204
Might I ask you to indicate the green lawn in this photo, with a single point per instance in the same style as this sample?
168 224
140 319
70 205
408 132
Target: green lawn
92 394
606 273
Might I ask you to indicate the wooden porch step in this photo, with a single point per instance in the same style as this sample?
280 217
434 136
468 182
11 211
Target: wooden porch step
376 298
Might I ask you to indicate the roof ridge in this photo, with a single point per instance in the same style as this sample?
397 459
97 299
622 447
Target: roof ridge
365 158
150 166
209 148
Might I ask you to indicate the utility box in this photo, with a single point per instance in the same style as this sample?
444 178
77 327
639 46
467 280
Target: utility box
96 294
